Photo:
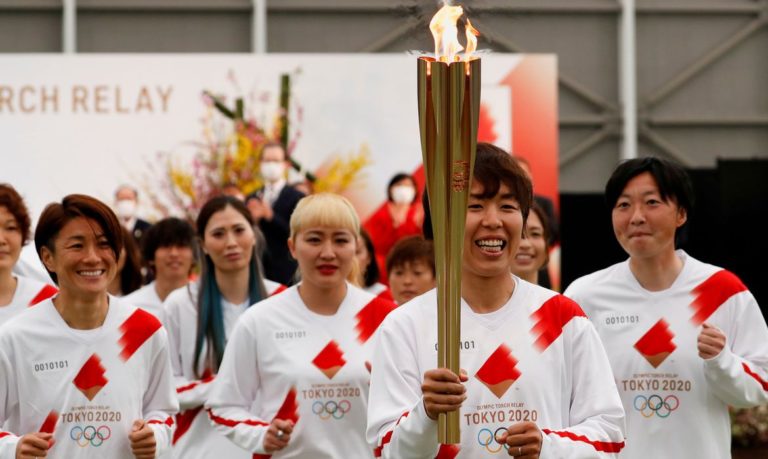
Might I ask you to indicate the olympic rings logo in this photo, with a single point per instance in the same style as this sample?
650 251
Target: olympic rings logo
487 439
654 404
90 435
331 409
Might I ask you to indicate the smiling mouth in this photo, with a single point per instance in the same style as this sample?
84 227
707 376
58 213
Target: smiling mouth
92 273
327 269
491 245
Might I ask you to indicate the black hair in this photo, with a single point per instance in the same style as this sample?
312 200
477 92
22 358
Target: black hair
371 272
168 232
672 180
396 178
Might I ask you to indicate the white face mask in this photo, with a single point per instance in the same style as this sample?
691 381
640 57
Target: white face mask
272 171
125 208
403 194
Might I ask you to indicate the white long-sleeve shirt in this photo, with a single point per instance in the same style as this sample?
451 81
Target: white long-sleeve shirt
677 402
194 437
28 293
147 299
536 359
284 361
85 386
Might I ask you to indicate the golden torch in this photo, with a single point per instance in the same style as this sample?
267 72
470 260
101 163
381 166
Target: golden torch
449 104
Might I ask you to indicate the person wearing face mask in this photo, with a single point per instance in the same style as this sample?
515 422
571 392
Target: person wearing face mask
399 217
126 205
271 207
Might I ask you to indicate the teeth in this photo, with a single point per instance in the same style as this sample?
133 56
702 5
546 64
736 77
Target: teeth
91 273
490 243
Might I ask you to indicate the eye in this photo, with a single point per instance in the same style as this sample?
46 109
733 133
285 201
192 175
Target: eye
510 207
474 206
622 205
653 202
76 245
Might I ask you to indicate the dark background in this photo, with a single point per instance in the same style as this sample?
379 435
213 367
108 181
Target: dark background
728 226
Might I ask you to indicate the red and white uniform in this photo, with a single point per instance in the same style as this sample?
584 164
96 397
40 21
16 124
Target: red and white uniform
85 386
676 402
28 293
284 361
380 290
194 436
536 359
147 299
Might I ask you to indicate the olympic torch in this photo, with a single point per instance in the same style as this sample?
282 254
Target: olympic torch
449 104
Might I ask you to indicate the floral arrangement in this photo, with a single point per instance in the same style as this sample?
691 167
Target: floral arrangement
749 426
229 155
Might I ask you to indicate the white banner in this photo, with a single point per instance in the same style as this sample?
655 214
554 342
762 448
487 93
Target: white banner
85 124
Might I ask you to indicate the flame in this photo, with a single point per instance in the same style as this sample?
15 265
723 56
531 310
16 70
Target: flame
472 35
445 32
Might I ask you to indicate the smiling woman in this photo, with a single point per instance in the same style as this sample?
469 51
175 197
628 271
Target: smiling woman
62 352
304 351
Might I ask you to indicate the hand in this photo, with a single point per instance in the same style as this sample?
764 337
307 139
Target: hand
711 341
523 439
256 207
443 391
278 435
34 445
142 439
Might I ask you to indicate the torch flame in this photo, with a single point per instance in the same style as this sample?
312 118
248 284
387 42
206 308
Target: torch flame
445 32
472 35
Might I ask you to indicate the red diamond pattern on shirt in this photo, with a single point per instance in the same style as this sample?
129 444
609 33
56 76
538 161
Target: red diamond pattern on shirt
90 379
371 316
330 359
498 373
656 345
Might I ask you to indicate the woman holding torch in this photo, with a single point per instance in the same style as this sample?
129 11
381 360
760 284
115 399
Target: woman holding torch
84 374
294 381
536 380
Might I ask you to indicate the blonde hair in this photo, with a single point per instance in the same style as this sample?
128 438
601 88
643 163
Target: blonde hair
329 210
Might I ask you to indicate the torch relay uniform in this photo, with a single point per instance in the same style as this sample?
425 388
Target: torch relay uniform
535 359
677 402
287 362
87 387
28 293
147 299
194 436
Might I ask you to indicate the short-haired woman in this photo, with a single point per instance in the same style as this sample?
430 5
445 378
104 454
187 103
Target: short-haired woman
17 293
685 339
84 374
294 381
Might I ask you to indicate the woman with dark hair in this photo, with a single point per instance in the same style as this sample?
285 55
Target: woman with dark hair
200 318
399 217
369 269
686 339
169 249
16 292
533 254
411 268
128 278
84 374
294 381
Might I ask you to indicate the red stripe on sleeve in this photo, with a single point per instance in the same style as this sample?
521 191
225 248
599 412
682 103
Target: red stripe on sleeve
551 318
194 384
232 423
603 446
388 437
44 293
712 293
5 434
137 329
168 421
279 289
757 377
289 410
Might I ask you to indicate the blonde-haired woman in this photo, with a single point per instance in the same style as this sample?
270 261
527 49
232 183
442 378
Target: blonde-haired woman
294 381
